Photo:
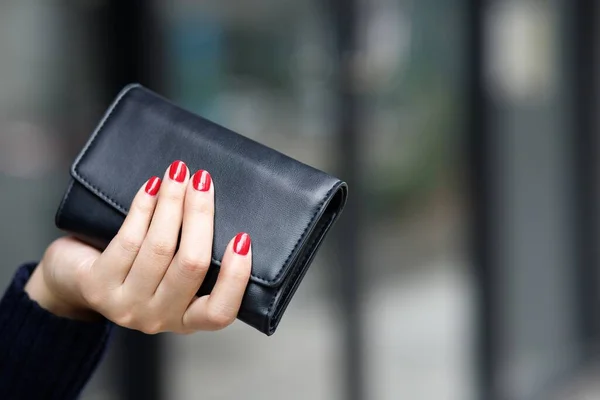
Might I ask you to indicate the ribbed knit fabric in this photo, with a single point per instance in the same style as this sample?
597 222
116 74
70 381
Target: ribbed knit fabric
43 356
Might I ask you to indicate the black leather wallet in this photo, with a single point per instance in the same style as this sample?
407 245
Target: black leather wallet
286 206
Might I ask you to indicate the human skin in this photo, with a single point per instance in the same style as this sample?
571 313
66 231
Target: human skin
142 281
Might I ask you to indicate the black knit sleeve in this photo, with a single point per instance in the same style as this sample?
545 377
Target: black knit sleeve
43 356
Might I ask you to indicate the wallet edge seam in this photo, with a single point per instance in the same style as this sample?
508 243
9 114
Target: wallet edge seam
319 207
270 317
59 212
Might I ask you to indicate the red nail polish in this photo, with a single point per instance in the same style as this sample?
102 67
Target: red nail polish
153 186
241 244
201 181
178 171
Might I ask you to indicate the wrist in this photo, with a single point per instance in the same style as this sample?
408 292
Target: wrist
40 292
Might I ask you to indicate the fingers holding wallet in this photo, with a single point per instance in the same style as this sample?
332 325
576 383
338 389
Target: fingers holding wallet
192 261
158 249
148 276
111 268
219 309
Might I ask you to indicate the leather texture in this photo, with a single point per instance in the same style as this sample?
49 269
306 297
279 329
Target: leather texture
286 206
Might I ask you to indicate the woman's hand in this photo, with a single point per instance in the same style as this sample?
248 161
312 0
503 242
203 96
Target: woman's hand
140 281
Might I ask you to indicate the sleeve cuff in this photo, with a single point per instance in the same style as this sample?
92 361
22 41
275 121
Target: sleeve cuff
43 355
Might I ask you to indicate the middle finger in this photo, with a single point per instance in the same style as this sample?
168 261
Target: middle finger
160 244
190 264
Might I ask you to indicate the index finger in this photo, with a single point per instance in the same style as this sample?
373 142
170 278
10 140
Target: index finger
116 260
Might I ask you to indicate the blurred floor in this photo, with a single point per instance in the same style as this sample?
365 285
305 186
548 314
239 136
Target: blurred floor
418 348
585 387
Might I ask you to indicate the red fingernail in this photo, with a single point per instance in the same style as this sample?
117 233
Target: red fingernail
201 181
153 186
178 171
241 244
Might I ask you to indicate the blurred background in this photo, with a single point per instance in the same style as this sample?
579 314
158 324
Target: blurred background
465 264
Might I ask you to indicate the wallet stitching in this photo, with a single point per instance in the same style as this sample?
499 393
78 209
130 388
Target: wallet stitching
98 192
99 129
105 197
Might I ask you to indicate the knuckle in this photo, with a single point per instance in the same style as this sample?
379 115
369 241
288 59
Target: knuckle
154 327
143 207
219 317
202 207
173 195
163 247
94 299
129 243
193 266
240 274
125 319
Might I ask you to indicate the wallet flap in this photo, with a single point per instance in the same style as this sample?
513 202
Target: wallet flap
274 198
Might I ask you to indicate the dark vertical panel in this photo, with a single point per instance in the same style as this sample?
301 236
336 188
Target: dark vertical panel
578 56
582 67
344 21
127 35
130 41
480 181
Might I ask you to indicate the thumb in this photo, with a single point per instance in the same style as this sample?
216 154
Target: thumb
69 253
63 263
